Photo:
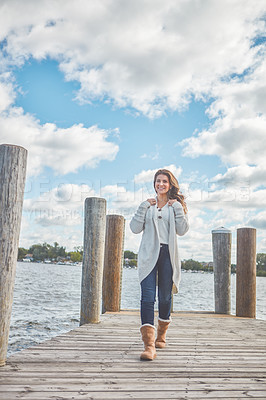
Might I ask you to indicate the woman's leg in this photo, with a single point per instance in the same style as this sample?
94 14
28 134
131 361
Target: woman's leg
148 294
165 283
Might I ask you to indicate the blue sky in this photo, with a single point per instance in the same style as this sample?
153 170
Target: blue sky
46 95
103 94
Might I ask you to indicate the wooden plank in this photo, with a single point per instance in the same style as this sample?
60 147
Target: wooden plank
86 368
111 393
206 357
116 395
137 381
132 384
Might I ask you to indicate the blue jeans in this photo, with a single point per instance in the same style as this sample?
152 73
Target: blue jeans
148 289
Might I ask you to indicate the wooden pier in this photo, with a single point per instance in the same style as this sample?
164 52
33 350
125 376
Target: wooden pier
209 356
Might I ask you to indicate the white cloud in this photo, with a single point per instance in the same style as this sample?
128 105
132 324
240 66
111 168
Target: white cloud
58 213
63 150
231 207
148 175
7 93
263 246
258 221
62 205
154 155
238 134
153 56
149 55
238 137
242 176
163 54
228 198
113 190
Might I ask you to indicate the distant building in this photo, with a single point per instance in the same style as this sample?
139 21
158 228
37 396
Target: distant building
207 264
28 258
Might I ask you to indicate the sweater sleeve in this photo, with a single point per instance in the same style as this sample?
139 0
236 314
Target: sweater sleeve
138 221
181 219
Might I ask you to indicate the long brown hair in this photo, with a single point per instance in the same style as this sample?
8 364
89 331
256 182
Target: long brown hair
174 191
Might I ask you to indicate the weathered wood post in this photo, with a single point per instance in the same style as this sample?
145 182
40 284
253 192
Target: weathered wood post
113 259
246 273
221 247
93 258
13 160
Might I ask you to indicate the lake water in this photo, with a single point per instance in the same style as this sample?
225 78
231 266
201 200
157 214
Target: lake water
47 299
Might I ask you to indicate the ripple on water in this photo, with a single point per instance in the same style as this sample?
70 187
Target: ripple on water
47 300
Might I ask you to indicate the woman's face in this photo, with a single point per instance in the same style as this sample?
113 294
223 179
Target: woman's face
162 184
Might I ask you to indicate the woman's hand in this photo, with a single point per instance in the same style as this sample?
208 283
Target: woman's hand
170 202
152 201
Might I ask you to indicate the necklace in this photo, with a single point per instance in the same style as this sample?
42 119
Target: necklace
161 204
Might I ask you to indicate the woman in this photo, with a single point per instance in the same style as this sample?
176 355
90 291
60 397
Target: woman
160 219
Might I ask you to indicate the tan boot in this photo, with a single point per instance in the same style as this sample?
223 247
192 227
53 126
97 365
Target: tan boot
148 337
161 333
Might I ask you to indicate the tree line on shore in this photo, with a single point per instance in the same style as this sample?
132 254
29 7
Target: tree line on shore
45 251
130 260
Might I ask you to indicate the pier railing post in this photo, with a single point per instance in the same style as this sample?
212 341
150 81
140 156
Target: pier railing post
13 160
246 273
113 259
93 258
221 246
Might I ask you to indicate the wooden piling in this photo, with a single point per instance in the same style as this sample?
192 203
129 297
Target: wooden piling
246 273
93 258
13 160
113 259
221 246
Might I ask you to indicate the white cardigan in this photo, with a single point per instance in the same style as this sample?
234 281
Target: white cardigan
145 220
